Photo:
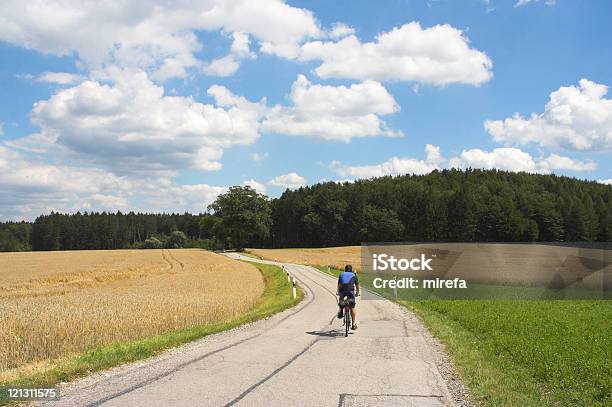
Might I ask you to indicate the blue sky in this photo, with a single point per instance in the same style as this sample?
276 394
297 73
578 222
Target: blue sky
154 108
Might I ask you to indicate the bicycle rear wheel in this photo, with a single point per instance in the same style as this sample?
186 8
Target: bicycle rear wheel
347 322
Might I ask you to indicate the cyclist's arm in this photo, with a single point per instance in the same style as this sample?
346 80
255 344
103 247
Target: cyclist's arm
357 288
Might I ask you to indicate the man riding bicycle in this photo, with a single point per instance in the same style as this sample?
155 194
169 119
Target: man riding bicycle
348 286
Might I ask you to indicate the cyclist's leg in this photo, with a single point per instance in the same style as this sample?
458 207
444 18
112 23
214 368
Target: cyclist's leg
340 306
353 310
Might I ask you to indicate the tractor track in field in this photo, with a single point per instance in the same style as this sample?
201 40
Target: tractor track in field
176 260
170 263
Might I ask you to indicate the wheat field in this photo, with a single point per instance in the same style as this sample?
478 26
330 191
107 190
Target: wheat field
54 304
336 257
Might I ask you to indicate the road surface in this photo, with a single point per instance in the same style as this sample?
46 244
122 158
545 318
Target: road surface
299 357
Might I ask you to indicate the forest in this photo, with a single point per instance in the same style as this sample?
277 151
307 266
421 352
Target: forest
448 205
83 231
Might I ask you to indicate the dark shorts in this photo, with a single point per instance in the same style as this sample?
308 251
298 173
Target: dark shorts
351 299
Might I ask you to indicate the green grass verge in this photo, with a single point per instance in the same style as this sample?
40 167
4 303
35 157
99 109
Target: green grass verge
329 270
276 297
251 255
525 353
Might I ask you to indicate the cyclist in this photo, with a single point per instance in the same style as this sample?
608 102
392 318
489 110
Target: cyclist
348 286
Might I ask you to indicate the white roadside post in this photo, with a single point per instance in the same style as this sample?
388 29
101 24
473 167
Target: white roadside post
294 289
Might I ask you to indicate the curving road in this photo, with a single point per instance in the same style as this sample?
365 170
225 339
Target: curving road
299 357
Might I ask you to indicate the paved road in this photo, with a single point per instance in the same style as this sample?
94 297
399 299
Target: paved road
299 357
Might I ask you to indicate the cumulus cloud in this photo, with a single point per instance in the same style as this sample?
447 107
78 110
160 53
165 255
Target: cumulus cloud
257 186
437 55
130 125
122 127
433 154
158 36
514 159
507 159
30 186
577 118
291 180
557 162
605 181
336 113
162 195
229 64
340 30
393 166
59 78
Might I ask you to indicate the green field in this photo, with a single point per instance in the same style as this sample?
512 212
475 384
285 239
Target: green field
526 353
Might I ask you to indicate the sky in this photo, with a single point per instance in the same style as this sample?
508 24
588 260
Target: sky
161 106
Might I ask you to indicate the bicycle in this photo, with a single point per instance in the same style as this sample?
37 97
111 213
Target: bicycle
347 315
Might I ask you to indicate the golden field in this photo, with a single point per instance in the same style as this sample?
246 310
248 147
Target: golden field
336 257
53 304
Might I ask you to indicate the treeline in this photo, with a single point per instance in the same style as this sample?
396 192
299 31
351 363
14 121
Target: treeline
449 205
83 231
15 236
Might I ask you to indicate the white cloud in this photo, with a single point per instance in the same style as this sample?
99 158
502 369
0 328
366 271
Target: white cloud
60 78
557 162
164 196
129 125
19 171
1 129
520 3
514 159
437 55
433 154
507 159
340 30
258 158
30 187
257 186
336 113
575 118
291 180
108 202
158 36
605 181
393 166
229 64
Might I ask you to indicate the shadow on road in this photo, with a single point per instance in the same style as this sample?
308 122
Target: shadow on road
334 333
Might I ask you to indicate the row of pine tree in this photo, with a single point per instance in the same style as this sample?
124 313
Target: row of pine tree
449 205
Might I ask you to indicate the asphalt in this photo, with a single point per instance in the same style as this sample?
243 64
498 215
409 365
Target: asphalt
299 357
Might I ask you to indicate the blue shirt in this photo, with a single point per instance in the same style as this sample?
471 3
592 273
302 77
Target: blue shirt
347 281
